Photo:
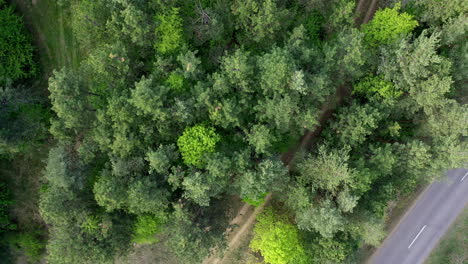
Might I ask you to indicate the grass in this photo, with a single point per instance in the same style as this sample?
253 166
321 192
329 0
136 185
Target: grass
453 247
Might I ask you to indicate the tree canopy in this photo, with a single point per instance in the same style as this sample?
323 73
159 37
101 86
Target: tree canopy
176 111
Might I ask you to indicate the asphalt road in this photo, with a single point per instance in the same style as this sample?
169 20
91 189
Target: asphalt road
426 222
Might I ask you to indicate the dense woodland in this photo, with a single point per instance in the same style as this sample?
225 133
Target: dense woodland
178 106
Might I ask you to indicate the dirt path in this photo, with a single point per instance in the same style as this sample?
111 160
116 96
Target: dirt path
245 220
365 10
371 11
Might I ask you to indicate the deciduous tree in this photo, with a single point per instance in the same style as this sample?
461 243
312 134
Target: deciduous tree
278 240
388 25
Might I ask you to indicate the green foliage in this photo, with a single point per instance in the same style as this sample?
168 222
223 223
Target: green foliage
6 200
88 23
340 15
78 231
388 25
372 231
255 202
16 51
24 120
195 142
146 228
376 85
176 82
58 171
30 244
355 123
260 20
131 23
325 250
321 195
314 26
260 138
169 32
437 12
180 104
71 99
270 175
277 239
110 192
327 171
324 218
160 160
145 196
416 68
190 242
91 224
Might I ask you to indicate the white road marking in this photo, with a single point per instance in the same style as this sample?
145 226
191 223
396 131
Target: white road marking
464 177
422 229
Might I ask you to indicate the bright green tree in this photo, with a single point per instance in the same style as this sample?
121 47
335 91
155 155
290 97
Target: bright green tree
146 227
197 141
376 85
169 32
388 25
278 240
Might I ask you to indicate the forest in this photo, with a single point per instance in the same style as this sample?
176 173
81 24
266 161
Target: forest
178 108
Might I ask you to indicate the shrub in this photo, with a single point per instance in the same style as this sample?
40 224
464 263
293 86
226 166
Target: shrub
30 244
176 82
170 32
146 227
255 201
376 85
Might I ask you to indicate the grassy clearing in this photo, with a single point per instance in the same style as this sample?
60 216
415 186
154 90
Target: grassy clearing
453 248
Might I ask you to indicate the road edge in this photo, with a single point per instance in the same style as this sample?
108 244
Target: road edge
413 204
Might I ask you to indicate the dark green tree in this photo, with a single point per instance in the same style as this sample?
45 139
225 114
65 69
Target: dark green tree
16 51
